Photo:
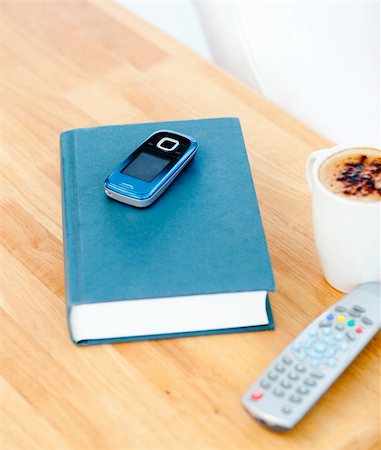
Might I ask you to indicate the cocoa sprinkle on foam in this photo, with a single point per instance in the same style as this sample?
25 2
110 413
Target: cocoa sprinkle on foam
361 178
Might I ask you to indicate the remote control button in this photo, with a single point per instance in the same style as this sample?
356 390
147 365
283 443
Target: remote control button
366 320
273 376
280 368
340 308
257 395
319 347
303 390
278 392
265 384
340 326
331 342
328 340
354 313
339 336
330 316
341 318
358 330
293 376
296 346
350 335
313 354
300 356
325 323
359 308
300 368
296 398
286 384
308 343
343 347
286 409
327 331
330 353
313 333
310 382
317 374
351 323
331 363
287 360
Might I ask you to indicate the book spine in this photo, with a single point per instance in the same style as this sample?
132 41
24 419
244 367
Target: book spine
70 219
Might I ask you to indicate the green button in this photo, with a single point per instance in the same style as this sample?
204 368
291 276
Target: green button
351 323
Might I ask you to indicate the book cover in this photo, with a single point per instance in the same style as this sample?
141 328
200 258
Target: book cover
194 262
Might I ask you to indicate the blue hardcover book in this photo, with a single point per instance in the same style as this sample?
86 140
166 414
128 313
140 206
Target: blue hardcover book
194 262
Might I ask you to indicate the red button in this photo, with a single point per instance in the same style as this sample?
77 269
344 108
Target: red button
257 395
359 330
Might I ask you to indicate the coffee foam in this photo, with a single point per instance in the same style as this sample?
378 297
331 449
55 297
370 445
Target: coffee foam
354 173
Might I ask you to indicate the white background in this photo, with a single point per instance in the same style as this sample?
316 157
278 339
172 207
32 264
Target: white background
318 60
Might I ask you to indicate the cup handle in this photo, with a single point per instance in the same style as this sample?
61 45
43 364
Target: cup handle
311 161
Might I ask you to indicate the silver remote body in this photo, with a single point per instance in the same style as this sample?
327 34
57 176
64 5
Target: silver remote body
304 371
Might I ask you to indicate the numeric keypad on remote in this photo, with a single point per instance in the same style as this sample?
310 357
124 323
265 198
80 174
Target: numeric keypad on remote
310 364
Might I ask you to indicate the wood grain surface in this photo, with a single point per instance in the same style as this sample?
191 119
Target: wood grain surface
72 64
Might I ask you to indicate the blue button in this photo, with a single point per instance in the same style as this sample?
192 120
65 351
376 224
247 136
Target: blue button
319 347
330 317
330 352
300 356
308 343
296 346
313 354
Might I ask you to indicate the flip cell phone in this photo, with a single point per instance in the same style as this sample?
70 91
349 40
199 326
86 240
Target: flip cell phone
146 173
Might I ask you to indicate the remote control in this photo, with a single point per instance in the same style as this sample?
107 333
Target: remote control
301 374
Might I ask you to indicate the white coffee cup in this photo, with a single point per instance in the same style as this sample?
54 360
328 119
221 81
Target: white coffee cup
347 232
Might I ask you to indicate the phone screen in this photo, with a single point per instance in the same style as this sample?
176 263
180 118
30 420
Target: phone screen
146 166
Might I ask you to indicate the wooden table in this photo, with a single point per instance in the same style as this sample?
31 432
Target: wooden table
81 64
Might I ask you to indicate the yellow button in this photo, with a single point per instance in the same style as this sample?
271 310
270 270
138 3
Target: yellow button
341 319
